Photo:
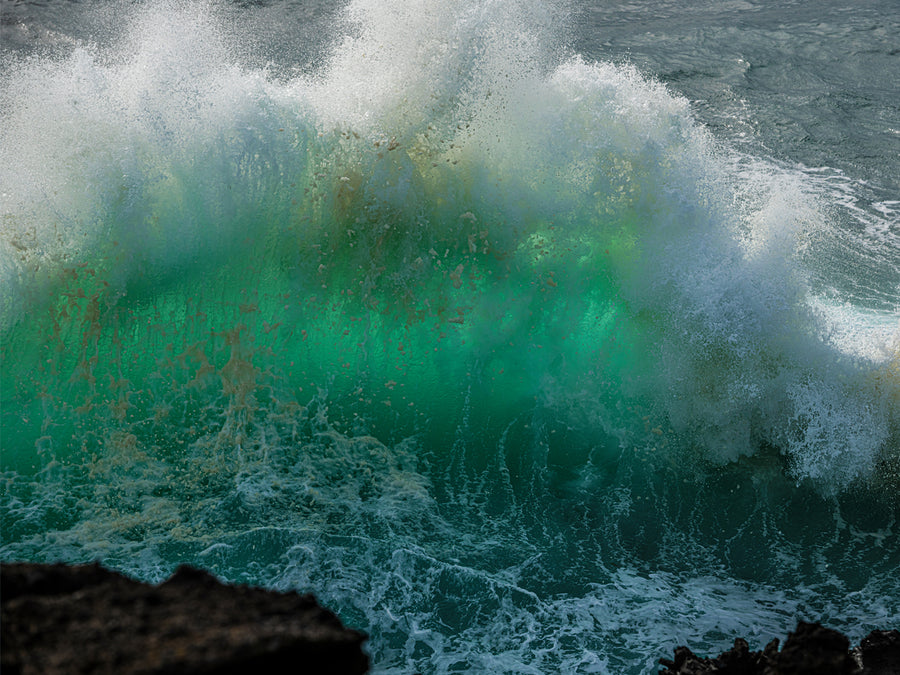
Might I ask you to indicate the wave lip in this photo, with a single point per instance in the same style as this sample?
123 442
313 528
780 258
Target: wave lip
463 188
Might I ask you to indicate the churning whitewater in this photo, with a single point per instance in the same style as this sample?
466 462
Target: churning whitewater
492 347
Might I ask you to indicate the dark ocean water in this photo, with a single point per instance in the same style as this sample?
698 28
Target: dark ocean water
531 337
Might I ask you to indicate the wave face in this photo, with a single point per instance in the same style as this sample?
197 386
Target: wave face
494 348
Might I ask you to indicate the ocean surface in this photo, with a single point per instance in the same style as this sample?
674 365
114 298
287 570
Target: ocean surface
532 337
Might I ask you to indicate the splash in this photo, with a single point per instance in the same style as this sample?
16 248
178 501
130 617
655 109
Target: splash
452 212
453 287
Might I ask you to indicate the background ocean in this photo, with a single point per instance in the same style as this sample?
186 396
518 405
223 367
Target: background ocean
531 337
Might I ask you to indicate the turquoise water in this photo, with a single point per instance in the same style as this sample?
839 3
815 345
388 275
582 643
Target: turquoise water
516 357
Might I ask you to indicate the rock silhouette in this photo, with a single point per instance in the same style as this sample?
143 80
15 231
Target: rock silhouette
811 649
58 619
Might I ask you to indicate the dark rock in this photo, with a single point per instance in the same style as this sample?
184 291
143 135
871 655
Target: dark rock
738 660
813 649
685 663
879 653
810 650
58 619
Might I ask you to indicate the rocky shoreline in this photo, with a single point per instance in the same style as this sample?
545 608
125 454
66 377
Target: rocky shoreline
57 619
811 649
